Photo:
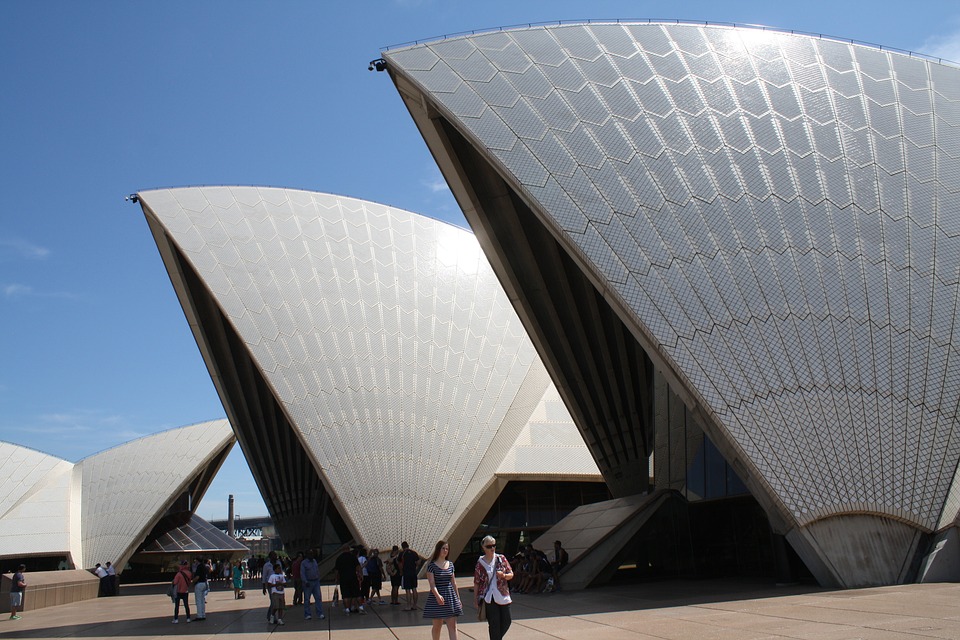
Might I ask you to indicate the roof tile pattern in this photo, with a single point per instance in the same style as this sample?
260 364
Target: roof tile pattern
781 215
35 498
128 488
384 334
23 469
549 444
101 508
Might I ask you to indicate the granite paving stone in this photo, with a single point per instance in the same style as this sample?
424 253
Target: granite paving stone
673 610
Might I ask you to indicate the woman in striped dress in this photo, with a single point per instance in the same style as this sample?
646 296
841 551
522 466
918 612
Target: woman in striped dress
443 603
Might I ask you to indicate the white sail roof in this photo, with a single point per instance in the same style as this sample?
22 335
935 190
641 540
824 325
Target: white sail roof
384 335
777 214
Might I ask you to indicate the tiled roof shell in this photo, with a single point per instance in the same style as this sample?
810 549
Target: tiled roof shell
385 336
103 507
128 488
778 214
35 498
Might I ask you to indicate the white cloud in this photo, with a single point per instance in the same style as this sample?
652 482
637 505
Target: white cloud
56 430
946 46
435 183
76 434
22 248
14 290
82 416
62 418
126 435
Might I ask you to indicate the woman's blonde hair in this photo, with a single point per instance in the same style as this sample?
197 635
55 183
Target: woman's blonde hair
487 540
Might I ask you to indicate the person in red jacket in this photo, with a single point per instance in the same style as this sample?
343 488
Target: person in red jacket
182 583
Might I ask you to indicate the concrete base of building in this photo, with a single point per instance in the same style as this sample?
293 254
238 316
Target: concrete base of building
942 563
858 550
51 588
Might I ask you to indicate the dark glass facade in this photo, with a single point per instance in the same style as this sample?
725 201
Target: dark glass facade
525 509
709 476
708 539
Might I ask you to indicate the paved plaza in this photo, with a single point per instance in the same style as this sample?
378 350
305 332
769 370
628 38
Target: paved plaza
670 610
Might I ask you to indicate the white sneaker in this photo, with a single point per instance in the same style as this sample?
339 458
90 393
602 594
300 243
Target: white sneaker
272 620
175 621
321 617
308 617
281 622
362 612
346 612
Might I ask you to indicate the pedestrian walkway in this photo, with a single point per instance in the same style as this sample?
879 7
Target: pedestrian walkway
672 610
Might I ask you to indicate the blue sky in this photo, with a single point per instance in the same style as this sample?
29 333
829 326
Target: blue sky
101 99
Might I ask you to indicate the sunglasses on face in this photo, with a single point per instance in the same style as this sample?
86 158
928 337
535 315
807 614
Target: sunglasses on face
489 546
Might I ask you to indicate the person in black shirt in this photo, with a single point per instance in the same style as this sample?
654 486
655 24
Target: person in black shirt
200 579
349 577
17 586
560 560
410 563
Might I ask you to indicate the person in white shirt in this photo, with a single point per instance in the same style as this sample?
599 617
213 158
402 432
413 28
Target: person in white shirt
268 569
101 572
277 598
491 588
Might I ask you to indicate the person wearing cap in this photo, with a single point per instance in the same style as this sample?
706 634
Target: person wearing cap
182 583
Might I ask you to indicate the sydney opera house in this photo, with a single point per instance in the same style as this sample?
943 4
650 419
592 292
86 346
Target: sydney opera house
749 233
716 266
380 383
132 504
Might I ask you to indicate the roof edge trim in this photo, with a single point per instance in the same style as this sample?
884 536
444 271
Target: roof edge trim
703 23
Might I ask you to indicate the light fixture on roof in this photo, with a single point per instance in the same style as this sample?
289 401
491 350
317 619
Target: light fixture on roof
379 64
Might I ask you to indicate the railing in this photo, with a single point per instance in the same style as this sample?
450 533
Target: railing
706 23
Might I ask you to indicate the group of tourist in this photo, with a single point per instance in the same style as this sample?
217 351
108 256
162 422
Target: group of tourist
491 589
109 584
536 572
492 575
197 577
303 573
360 577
